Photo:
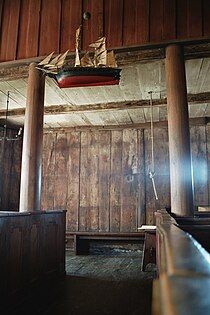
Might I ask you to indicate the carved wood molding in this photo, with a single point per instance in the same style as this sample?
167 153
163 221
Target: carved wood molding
66 108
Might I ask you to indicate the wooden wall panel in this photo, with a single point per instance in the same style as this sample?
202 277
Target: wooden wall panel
200 164
206 18
49 27
194 18
9 30
71 19
48 177
42 26
92 28
135 22
60 171
73 171
28 44
115 180
129 181
113 27
104 152
182 19
169 20
10 163
156 20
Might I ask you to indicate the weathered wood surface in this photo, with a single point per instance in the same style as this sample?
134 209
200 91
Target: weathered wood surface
108 184
183 266
122 22
31 171
33 251
179 134
10 163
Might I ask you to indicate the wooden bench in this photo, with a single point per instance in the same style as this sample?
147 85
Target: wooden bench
82 240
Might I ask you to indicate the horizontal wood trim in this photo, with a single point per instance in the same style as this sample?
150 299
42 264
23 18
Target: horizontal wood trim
11 70
198 98
159 124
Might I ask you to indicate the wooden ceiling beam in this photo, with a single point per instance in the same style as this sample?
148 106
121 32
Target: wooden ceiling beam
198 121
12 70
67 109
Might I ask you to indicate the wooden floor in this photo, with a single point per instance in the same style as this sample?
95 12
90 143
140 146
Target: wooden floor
105 282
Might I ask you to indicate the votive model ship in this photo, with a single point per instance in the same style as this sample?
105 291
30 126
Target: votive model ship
97 66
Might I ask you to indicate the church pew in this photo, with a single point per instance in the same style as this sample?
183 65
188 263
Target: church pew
32 251
183 265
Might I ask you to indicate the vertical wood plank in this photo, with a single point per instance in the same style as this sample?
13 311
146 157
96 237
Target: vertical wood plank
9 30
61 174
208 158
156 20
48 174
129 181
195 18
28 29
113 22
84 182
49 26
141 189
161 155
206 18
70 20
104 178
169 19
73 196
115 180
182 19
7 162
92 28
200 164
14 191
93 179
135 22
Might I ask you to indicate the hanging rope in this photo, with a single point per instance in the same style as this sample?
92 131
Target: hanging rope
152 170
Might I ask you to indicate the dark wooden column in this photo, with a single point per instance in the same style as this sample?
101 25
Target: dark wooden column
30 190
179 135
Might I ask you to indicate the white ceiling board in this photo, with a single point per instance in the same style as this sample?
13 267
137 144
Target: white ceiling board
137 115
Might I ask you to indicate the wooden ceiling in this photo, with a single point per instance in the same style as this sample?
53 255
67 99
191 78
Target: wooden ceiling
126 104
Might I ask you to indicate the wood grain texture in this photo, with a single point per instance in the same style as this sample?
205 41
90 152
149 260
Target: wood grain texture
104 152
60 170
73 172
92 28
48 174
113 16
115 181
135 22
28 25
49 27
182 19
169 20
156 20
200 164
9 30
194 18
70 20
206 18
129 181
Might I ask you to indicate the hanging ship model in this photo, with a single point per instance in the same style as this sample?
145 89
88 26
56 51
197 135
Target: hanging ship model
97 66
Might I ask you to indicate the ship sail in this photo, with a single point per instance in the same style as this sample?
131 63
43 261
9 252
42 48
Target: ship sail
111 62
86 61
77 44
52 64
46 60
61 60
100 52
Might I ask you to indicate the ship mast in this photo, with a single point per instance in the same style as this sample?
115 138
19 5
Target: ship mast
77 44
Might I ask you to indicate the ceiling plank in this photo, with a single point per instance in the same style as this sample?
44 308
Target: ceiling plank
199 98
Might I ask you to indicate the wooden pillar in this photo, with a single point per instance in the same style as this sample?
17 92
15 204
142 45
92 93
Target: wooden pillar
179 135
30 189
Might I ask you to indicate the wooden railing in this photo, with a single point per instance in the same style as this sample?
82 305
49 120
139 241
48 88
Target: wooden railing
183 284
32 250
